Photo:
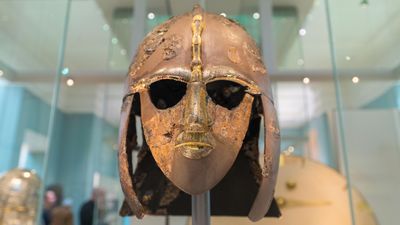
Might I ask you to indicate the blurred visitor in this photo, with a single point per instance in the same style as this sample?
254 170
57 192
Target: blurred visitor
62 215
54 212
94 208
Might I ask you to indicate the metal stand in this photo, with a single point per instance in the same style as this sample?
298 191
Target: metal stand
201 209
167 220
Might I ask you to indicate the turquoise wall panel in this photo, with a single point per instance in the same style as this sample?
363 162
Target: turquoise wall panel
55 149
299 139
34 116
85 145
296 137
326 153
10 107
81 144
388 100
72 167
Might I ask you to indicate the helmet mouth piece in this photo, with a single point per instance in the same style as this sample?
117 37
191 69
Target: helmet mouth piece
195 145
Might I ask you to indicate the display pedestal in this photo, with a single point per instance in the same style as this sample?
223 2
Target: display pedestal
201 209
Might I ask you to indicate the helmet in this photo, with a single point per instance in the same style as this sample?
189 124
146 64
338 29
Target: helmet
19 193
199 86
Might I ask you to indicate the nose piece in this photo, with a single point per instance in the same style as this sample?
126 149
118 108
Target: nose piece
196 140
197 124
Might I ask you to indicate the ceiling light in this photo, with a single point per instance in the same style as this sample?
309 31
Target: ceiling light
290 149
256 15
223 14
300 62
65 71
70 82
348 58
123 51
106 27
364 3
1 73
306 80
355 80
114 41
302 32
151 16
26 174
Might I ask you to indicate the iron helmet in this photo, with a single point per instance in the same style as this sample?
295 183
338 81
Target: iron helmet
199 85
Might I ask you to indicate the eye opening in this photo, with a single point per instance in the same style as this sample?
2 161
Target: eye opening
167 93
225 93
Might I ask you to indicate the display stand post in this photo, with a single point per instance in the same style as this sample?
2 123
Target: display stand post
201 209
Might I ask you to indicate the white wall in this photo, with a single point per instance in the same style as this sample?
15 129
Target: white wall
372 142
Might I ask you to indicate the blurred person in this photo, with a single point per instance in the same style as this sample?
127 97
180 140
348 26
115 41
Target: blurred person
62 215
52 198
54 213
96 206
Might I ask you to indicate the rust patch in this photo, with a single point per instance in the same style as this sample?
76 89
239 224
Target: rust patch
127 102
267 167
253 57
233 55
171 47
148 46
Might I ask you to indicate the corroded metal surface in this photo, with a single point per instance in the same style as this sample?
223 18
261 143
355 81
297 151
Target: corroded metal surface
271 161
162 128
132 203
172 46
19 197
196 141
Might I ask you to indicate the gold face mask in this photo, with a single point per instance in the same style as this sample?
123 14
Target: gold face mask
195 90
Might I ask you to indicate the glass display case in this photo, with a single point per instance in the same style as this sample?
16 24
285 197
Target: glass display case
334 67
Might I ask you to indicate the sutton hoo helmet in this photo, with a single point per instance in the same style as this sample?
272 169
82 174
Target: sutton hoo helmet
199 86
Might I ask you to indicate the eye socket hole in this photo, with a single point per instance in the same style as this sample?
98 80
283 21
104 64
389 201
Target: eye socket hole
167 93
225 93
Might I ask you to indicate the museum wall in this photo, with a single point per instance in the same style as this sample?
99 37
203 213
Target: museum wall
22 111
374 158
298 138
79 148
82 152
9 126
389 99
